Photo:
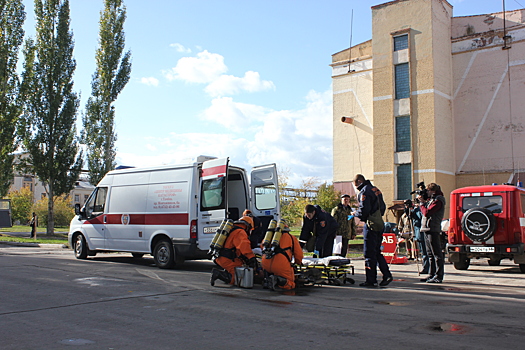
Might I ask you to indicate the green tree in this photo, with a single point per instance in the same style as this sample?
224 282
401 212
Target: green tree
12 17
327 197
49 133
21 202
111 76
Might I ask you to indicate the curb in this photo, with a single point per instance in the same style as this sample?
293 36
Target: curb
35 245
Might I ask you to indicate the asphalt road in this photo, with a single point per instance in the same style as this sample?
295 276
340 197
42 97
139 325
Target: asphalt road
50 300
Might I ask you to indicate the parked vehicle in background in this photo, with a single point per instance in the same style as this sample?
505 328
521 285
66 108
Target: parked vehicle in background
487 222
171 212
5 213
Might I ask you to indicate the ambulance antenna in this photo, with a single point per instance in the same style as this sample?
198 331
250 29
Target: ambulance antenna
350 49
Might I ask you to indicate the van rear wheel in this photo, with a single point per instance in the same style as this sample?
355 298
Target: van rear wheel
522 268
164 254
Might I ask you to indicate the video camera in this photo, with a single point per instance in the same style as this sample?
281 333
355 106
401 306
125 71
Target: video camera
422 190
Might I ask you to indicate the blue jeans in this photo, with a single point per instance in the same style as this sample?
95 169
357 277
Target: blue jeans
373 256
424 256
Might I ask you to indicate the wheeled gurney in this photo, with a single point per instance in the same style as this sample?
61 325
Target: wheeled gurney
333 270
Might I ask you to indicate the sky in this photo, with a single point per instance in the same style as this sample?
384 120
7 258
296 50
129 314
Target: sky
249 80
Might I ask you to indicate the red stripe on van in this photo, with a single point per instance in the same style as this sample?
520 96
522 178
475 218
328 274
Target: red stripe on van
216 170
142 219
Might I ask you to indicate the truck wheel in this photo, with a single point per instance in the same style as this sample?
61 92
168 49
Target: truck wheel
462 264
494 262
522 268
478 224
163 254
80 247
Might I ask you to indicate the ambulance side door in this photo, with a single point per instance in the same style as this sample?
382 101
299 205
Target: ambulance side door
212 199
265 191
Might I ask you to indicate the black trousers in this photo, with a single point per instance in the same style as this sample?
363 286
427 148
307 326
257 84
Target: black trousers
435 254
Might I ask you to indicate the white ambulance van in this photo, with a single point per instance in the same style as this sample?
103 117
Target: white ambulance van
170 212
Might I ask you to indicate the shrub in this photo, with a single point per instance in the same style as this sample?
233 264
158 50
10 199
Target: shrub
21 202
62 208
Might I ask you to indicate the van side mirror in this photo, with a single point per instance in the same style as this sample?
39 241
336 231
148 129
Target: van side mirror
77 209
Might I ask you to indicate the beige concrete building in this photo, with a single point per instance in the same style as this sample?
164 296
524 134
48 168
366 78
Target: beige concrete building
432 98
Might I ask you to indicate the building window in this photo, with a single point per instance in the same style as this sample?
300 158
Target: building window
402 81
404 181
403 134
401 42
77 198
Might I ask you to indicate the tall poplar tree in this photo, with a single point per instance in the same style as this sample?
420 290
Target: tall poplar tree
51 105
12 17
111 76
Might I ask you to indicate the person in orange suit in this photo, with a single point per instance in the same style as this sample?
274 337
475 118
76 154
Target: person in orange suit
280 264
236 252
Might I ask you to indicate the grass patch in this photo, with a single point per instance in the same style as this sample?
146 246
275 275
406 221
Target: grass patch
40 240
26 228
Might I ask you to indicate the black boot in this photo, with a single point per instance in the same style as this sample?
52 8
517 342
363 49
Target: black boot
277 281
222 275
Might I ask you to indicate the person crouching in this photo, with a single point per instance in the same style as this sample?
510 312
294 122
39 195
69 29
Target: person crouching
237 251
280 262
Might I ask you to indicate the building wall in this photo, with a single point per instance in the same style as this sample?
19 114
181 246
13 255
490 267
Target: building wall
352 89
489 97
427 24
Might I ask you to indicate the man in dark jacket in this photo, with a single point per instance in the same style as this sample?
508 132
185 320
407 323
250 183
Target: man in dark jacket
433 210
323 226
370 203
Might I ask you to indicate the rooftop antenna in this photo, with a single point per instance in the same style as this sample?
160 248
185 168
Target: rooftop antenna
506 38
350 49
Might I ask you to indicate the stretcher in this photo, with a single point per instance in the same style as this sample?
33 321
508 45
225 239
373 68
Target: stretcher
332 270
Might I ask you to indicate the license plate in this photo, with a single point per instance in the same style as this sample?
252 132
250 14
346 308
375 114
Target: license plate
482 249
211 229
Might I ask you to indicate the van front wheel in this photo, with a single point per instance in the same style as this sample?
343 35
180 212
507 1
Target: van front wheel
80 247
163 254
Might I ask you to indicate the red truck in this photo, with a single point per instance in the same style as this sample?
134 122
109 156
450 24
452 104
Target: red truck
487 222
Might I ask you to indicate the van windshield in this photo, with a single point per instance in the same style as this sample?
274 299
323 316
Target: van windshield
492 203
212 196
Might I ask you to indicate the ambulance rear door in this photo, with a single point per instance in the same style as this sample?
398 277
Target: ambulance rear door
265 192
212 199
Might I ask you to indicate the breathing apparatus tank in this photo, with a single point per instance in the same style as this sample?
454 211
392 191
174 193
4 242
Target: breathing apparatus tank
269 234
278 233
216 236
220 236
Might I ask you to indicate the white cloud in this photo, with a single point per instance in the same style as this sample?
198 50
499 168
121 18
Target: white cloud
235 116
299 140
180 48
204 68
150 81
231 85
209 68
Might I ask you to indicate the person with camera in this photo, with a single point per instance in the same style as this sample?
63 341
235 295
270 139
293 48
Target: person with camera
432 205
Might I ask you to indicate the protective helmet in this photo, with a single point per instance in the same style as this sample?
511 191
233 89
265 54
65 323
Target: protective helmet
248 221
